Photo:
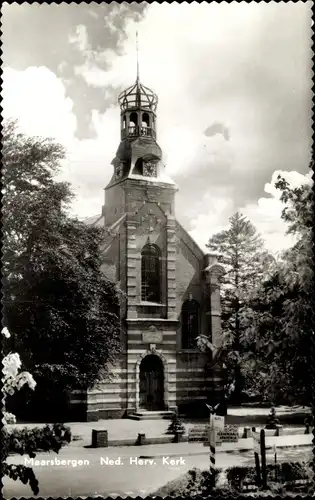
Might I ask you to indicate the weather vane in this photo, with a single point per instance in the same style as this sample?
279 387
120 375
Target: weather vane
137 47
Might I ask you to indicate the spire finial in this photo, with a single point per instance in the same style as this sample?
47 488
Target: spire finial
137 47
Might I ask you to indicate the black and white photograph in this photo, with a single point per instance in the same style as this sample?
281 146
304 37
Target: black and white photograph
157 249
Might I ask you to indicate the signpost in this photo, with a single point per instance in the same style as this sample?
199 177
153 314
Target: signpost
218 422
212 438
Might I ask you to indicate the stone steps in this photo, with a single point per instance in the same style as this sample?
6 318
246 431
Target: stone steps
151 415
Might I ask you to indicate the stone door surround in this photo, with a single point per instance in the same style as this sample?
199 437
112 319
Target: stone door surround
149 352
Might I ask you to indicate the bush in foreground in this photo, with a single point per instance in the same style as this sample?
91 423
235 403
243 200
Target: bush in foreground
28 442
196 482
24 441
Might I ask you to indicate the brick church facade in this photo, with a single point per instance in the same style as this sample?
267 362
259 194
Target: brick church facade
171 291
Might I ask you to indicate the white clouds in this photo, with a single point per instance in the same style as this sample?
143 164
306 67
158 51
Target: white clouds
265 214
244 65
37 98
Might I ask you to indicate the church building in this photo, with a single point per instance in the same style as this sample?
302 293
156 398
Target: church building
171 290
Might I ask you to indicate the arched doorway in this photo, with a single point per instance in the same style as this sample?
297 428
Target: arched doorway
151 383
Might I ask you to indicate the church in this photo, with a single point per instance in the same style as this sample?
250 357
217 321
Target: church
171 288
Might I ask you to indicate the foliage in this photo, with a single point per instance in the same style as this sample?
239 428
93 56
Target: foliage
242 253
217 358
237 475
280 331
176 425
286 472
28 442
194 482
12 380
24 441
267 306
63 313
22 473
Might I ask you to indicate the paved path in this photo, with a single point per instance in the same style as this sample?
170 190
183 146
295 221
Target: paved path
280 410
127 429
242 445
131 475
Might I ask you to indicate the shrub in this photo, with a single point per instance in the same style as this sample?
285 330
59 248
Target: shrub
237 475
28 442
194 482
272 420
176 426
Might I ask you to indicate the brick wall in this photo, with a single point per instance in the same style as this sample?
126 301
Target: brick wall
149 213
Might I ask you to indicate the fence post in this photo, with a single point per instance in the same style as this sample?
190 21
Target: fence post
257 464
263 459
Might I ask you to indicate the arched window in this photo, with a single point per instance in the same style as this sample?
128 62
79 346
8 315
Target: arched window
150 273
133 124
190 323
133 120
145 120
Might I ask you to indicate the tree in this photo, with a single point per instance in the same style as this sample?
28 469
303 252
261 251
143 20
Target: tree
280 324
241 251
62 311
297 277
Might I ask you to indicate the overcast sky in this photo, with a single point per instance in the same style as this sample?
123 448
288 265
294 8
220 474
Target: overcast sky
234 87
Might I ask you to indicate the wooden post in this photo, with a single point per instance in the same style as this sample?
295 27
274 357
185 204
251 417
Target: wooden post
257 464
256 445
276 472
263 459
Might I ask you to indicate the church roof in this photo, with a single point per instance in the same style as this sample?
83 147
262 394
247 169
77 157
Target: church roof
98 220
94 220
189 241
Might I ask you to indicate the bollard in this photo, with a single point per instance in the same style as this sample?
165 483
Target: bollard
99 438
279 430
141 439
247 432
177 436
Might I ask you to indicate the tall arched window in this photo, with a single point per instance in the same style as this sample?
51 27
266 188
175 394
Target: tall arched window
150 273
190 323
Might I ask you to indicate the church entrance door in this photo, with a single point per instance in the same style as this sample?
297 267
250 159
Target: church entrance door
151 383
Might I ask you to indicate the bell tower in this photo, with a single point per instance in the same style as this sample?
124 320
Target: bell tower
138 152
138 128
138 160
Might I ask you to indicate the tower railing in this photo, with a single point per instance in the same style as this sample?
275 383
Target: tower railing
136 131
